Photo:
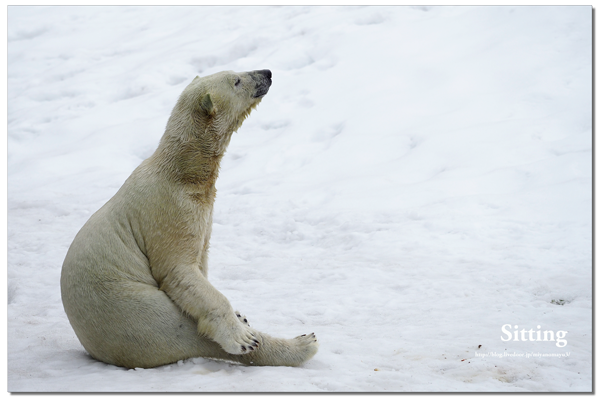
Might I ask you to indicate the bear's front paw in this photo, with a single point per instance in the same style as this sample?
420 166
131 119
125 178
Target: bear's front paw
242 318
237 337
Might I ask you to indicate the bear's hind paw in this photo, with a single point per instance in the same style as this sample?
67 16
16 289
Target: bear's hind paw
307 339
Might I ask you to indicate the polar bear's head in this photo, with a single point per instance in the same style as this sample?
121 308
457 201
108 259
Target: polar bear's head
211 108
207 113
232 92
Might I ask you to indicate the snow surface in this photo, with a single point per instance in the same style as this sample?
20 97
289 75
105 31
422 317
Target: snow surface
416 178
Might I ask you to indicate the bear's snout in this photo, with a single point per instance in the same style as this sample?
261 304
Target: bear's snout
265 72
263 81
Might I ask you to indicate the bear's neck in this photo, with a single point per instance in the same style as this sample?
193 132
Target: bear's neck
189 162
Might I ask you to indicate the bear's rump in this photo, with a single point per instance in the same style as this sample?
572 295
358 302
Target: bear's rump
134 324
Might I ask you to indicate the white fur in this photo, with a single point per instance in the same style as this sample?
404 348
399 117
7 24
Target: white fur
134 282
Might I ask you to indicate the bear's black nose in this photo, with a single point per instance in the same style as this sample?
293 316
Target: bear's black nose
265 72
263 81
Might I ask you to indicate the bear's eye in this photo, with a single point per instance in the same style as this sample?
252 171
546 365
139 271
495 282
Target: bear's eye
237 81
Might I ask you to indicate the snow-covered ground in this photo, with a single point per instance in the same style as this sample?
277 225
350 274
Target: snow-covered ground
416 179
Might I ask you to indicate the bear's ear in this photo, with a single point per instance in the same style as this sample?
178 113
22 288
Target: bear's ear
207 104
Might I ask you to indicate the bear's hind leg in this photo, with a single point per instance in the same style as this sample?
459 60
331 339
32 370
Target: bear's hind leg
153 331
278 352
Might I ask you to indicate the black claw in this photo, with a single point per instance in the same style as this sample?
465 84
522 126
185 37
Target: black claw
303 335
243 348
251 348
245 320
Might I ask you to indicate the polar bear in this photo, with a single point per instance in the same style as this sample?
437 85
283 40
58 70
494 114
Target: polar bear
134 281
